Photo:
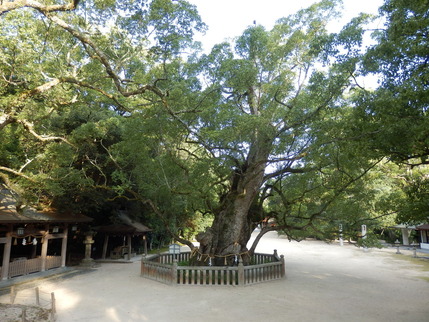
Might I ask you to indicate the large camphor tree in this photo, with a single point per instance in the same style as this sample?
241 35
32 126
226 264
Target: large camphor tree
273 123
107 101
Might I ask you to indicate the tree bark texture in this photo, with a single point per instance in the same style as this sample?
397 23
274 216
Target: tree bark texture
226 240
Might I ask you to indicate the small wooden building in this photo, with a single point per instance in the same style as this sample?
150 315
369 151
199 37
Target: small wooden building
32 241
126 228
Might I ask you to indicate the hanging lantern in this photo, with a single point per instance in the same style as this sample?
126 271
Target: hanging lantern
29 239
24 242
20 231
34 241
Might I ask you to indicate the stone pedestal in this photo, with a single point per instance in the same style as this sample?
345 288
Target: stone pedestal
88 262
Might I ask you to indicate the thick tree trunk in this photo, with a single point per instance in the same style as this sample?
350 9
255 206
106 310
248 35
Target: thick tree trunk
226 240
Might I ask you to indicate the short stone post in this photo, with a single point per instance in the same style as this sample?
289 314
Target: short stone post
174 273
241 279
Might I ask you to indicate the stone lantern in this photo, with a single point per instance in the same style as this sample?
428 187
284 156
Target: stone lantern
88 262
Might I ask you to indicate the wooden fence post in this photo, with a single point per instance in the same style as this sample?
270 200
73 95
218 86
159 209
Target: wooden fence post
240 272
23 314
37 297
142 267
12 294
53 305
174 272
282 260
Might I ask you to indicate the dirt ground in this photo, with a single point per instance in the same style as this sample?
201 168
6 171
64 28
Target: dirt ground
325 282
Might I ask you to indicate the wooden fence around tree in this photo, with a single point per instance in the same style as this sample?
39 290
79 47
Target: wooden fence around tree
164 268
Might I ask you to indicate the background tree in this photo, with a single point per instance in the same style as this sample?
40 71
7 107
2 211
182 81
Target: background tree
397 110
395 116
67 82
414 209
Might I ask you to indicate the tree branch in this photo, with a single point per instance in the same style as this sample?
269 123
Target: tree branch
71 80
30 128
7 120
103 59
6 6
17 173
286 170
263 231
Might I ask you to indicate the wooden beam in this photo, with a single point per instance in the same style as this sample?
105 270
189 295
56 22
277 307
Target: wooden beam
44 250
64 246
106 241
55 236
129 247
6 256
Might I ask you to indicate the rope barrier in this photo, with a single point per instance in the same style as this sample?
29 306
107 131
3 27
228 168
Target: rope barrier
204 257
49 305
47 301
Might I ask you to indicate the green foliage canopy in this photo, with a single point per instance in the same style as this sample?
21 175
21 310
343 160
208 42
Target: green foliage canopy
112 105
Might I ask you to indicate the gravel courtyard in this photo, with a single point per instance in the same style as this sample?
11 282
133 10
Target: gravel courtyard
324 282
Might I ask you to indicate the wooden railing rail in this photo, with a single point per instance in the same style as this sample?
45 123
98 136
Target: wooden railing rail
169 258
207 275
27 266
53 262
157 271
